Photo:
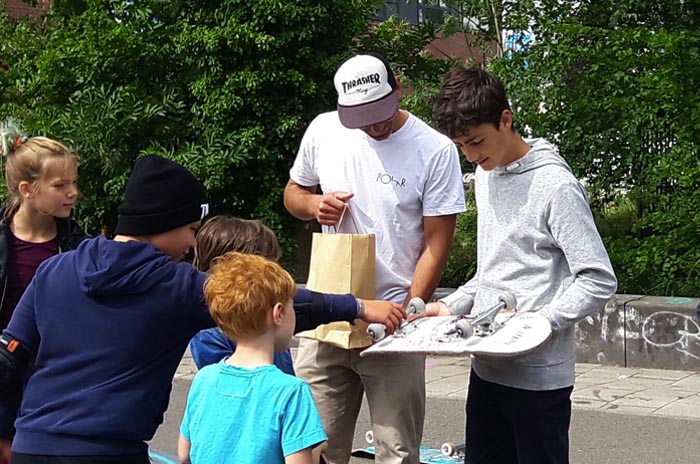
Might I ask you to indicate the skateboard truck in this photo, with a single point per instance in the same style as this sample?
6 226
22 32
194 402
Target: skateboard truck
483 324
377 331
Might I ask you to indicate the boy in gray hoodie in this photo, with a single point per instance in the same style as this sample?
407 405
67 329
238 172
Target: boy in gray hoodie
535 238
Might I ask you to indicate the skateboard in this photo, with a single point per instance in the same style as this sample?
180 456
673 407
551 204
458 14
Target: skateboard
498 332
447 454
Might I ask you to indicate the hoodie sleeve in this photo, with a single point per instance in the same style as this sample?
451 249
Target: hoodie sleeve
22 328
574 231
197 303
461 300
313 309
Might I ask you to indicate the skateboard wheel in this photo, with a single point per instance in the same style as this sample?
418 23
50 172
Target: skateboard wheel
464 329
448 449
369 437
376 331
508 300
416 306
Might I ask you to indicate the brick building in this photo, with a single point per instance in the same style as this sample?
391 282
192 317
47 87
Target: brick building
18 8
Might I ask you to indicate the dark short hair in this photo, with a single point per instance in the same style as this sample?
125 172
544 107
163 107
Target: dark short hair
468 97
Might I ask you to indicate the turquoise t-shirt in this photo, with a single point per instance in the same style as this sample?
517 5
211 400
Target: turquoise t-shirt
239 416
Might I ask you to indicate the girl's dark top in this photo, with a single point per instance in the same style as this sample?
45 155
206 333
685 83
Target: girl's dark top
23 258
17 269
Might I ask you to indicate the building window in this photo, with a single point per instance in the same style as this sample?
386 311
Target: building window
416 11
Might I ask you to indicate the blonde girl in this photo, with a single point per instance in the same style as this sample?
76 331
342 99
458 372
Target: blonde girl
41 181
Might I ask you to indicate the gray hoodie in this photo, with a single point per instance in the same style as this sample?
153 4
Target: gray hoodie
537 239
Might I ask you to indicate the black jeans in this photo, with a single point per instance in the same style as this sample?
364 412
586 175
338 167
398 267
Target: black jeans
18 458
508 425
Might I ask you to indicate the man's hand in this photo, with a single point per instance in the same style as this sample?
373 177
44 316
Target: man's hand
5 450
385 312
331 207
437 308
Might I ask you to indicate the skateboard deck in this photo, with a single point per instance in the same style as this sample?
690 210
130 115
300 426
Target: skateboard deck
427 455
159 457
520 333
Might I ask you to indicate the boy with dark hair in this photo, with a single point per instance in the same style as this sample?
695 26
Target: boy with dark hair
107 325
535 238
222 234
244 409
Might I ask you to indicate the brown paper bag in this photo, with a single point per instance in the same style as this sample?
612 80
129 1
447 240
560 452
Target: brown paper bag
342 263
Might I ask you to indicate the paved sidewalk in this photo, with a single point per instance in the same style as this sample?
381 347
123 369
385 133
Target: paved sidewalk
643 392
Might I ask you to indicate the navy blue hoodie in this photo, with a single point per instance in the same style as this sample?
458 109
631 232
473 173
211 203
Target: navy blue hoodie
107 324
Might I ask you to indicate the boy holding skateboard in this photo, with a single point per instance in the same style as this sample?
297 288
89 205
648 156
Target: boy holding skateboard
244 409
535 238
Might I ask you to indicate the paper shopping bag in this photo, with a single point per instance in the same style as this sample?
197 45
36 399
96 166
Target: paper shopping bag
342 263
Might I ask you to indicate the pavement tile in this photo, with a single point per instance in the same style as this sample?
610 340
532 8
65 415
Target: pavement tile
670 391
599 394
693 401
580 383
441 372
689 383
644 401
587 404
636 384
680 409
459 395
663 374
627 409
608 373
447 361
582 368
443 387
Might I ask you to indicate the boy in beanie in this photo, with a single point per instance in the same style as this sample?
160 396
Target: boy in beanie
107 325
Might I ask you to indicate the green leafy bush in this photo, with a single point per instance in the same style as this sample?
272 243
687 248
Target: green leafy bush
225 88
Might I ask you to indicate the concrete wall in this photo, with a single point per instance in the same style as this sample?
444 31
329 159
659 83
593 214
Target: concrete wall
642 331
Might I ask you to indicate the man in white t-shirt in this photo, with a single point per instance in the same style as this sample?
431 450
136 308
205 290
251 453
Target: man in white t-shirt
403 183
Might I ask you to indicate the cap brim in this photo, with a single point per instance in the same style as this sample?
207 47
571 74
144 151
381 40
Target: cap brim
355 117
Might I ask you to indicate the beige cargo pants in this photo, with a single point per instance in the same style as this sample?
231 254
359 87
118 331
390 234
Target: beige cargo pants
395 388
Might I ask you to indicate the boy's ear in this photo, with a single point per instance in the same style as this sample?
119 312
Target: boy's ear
506 119
277 311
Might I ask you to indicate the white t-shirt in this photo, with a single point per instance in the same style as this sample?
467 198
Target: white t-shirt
413 173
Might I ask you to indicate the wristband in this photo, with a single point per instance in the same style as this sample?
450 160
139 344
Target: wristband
360 308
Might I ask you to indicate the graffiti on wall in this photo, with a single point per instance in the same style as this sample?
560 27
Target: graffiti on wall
643 332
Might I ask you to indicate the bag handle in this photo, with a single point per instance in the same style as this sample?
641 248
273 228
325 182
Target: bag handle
342 216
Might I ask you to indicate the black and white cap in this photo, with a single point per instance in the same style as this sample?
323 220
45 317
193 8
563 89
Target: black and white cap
367 91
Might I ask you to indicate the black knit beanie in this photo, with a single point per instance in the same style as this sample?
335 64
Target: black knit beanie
160 195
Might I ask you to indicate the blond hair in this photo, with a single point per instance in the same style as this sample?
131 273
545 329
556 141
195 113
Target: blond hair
222 234
242 289
30 160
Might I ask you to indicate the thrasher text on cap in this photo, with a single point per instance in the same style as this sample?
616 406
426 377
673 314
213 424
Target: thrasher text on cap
368 79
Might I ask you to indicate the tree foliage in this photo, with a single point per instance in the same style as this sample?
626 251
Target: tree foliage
612 83
224 87
227 88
